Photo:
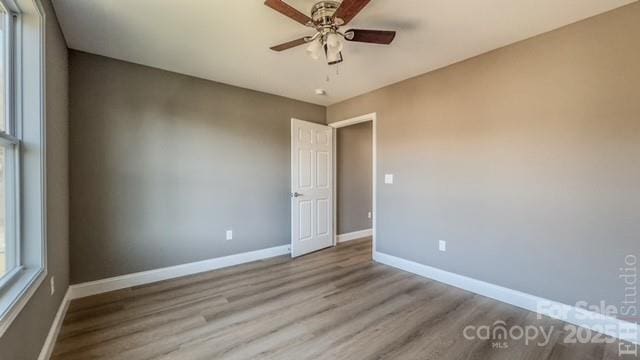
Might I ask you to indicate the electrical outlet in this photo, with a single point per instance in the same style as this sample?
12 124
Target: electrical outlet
369 215
229 234
442 245
53 284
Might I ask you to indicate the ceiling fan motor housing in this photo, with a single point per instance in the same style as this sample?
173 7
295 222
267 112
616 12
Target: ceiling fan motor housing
322 13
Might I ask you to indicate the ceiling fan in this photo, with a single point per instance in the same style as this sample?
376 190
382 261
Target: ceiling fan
326 18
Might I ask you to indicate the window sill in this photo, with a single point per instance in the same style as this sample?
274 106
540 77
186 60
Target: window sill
17 294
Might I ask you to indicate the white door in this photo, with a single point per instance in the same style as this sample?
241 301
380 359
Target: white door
311 187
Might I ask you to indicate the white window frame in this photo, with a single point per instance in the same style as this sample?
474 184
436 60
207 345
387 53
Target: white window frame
10 138
28 133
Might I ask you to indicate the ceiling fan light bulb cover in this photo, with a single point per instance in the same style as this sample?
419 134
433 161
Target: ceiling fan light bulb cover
334 42
314 49
333 55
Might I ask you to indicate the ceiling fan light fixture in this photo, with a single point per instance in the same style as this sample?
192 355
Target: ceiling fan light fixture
327 16
314 49
334 42
334 58
333 48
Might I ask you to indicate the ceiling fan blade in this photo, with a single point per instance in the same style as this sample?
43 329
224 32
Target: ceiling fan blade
349 9
288 11
370 36
290 44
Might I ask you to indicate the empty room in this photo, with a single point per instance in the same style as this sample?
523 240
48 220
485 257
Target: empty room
319 179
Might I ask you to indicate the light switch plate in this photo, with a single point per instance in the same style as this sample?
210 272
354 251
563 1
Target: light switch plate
442 245
229 234
388 178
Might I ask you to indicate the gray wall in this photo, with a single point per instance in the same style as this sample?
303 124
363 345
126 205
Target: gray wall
525 159
24 339
163 164
354 177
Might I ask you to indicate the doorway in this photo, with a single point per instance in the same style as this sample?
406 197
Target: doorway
354 170
315 182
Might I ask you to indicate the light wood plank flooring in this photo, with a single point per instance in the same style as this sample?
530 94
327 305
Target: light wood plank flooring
333 304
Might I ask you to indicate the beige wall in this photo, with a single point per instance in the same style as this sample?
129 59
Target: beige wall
163 164
354 177
525 159
24 339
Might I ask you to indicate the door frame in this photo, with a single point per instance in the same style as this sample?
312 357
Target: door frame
373 117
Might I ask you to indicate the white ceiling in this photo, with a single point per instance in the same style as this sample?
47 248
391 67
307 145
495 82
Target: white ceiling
228 40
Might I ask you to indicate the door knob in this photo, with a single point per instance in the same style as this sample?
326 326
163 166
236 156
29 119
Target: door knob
296 194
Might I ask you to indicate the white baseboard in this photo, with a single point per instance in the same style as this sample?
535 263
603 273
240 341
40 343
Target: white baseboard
355 235
50 341
120 282
575 315
151 276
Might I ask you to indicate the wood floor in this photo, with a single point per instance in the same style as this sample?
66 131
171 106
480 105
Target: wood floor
333 304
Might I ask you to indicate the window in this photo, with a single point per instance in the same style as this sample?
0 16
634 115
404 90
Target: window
22 156
9 148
